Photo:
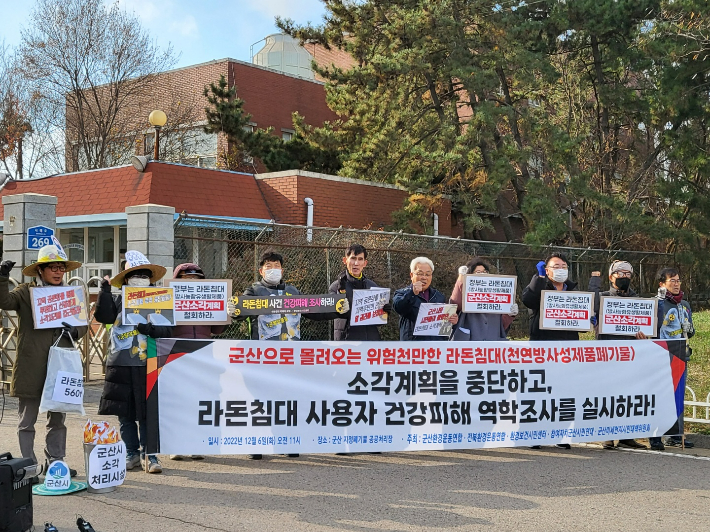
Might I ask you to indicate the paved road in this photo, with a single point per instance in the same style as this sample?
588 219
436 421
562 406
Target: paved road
549 489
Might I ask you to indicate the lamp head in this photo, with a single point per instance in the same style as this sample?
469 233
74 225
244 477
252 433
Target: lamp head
157 118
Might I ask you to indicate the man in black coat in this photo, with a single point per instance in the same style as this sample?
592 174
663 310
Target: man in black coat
352 278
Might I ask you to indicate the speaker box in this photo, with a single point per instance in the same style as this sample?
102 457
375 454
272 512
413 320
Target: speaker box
15 493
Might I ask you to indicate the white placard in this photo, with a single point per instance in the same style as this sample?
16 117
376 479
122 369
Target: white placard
566 311
220 397
367 307
107 465
69 388
52 305
627 316
433 319
489 294
201 301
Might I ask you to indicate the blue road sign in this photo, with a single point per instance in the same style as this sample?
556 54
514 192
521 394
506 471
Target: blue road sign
39 236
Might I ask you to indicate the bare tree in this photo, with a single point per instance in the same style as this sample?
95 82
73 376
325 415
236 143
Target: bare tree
98 66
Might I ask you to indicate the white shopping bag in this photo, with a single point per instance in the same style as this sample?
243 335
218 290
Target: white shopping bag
64 385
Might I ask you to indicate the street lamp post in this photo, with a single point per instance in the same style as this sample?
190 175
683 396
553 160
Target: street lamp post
157 119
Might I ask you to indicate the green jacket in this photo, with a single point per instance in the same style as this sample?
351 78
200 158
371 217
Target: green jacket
30 368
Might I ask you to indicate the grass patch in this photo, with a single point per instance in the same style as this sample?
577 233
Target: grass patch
699 367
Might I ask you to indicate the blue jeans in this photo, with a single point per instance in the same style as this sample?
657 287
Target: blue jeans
133 435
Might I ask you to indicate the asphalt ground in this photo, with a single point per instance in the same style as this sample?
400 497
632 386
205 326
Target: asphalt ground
550 489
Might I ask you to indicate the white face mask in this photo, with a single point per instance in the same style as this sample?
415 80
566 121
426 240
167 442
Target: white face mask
560 276
137 281
272 276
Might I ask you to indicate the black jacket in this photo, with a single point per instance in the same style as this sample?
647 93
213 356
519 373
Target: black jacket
124 386
595 285
407 304
345 284
532 296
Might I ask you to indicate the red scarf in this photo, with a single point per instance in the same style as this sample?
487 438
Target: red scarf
674 298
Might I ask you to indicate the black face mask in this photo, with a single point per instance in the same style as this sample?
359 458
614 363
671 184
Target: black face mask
622 284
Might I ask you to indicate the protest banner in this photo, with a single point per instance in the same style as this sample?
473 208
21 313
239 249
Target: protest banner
566 311
627 315
201 301
218 396
367 307
484 293
106 465
288 304
52 305
433 319
152 304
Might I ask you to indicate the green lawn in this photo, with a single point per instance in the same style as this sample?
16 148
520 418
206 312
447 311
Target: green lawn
699 366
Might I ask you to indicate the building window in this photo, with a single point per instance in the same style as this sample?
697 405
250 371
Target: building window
100 246
72 240
287 134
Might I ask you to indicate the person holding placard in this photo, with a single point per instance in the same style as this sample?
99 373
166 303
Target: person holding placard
30 368
620 273
479 326
124 392
352 278
407 301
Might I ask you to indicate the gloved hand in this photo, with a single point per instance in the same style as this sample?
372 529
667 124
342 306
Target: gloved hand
147 329
105 285
344 307
662 291
70 330
593 320
387 308
514 310
231 307
463 270
686 326
5 268
541 268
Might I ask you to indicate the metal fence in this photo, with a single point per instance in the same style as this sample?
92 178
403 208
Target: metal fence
313 260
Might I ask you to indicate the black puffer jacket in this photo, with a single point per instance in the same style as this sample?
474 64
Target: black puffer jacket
124 386
532 295
345 284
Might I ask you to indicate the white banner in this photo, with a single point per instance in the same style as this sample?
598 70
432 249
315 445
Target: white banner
627 315
107 465
492 294
566 311
69 388
367 306
53 305
246 397
433 319
201 301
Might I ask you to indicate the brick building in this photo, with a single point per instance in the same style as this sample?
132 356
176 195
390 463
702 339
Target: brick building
91 219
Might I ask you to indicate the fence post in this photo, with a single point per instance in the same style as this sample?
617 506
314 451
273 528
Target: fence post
150 230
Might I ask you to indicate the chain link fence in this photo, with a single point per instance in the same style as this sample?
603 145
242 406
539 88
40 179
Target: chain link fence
313 260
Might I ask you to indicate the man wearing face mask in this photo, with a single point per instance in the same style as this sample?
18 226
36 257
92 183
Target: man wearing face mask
552 274
620 273
30 367
124 393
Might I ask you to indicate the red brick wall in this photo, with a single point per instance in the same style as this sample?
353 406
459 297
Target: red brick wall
326 58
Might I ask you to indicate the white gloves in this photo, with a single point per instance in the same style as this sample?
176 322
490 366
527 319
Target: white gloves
344 307
513 310
463 270
686 326
231 309
661 293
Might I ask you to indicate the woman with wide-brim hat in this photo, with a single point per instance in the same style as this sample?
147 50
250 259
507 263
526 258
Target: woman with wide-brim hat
125 384
30 368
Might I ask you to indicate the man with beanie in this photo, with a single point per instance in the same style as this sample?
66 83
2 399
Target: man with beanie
620 273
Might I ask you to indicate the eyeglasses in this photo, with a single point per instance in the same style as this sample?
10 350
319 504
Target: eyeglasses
423 274
623 274
674 281
56 268
479 272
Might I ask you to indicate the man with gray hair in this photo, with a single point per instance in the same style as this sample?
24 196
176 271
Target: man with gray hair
408 300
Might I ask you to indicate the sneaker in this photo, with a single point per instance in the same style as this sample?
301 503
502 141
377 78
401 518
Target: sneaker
609 444
657 446
632 444
678 442
197 457
154 465
133 460
293 455
536 446
176 457
254 456
564 446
